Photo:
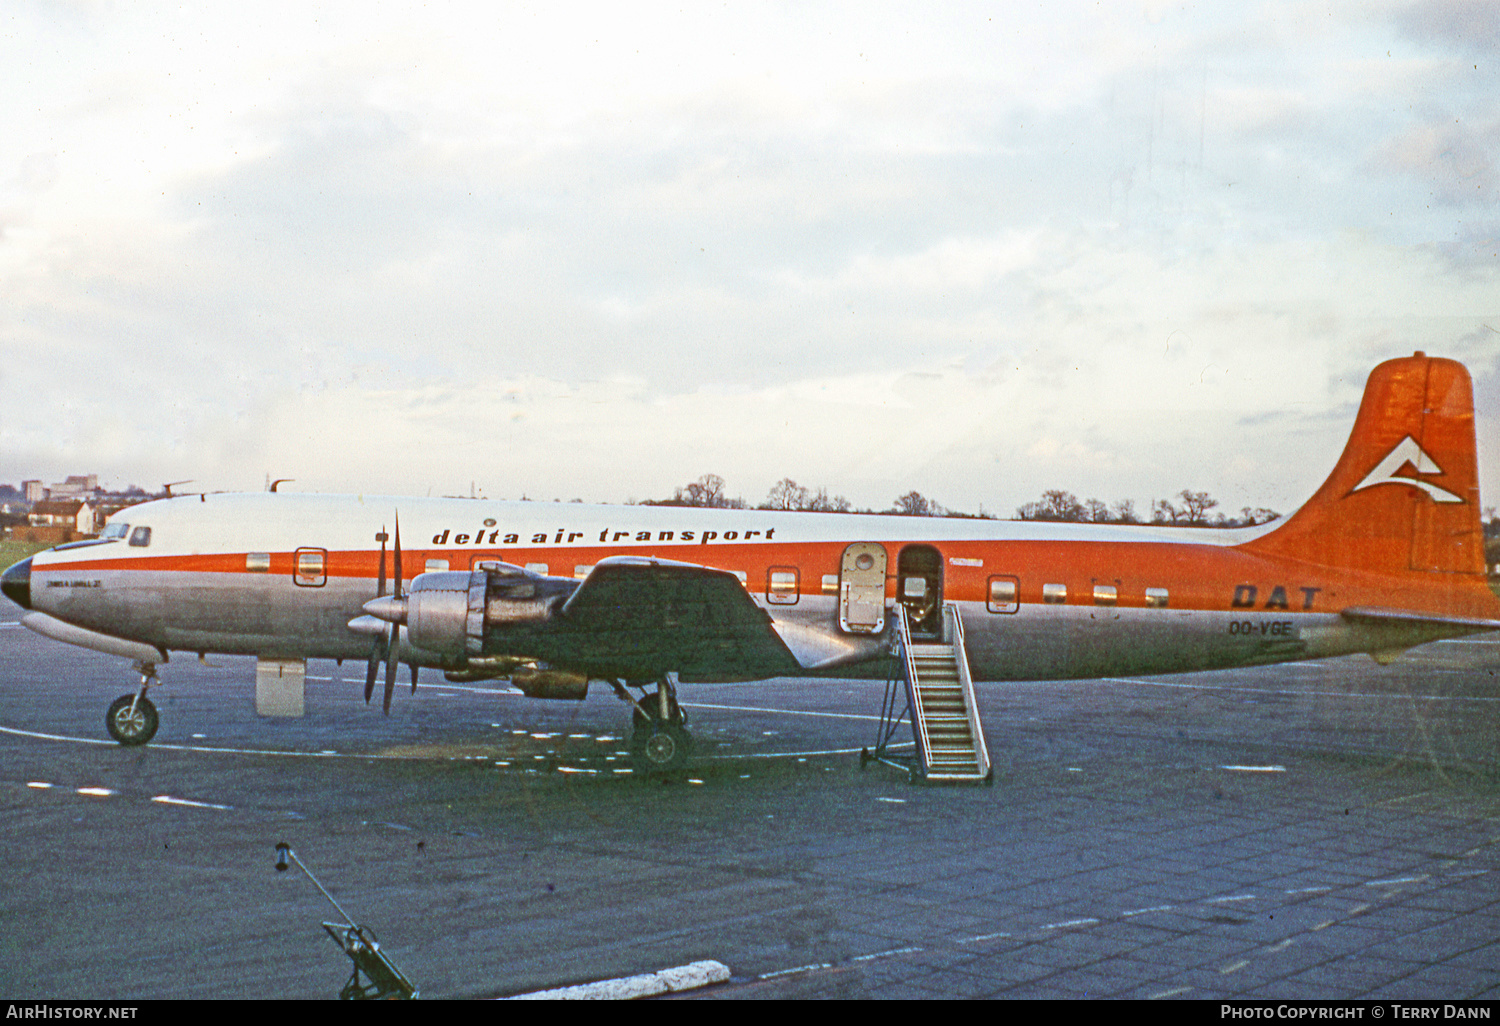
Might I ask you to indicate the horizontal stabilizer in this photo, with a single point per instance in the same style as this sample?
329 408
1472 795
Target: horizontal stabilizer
1376 615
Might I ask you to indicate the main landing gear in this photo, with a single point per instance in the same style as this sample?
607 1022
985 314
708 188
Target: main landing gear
132 719
659 741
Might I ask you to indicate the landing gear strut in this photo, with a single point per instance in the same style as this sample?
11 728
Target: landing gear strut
132 719
660 742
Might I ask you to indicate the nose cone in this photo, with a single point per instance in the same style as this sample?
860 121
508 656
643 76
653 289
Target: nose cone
388 608
16 583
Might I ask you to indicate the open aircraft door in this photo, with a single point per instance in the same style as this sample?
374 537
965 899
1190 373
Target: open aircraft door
862 588
919 587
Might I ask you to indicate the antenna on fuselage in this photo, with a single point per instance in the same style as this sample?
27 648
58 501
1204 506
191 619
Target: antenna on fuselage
168 487
279 481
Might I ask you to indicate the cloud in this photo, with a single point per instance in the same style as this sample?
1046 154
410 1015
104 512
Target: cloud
1456 163
1472 26
399 249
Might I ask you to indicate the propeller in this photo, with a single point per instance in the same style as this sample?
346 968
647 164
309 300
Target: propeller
378 649
393 640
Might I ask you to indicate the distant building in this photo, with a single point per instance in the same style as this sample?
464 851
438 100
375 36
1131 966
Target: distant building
33 491
76 515
77 486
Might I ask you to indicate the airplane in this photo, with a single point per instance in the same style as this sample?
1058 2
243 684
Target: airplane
1386 555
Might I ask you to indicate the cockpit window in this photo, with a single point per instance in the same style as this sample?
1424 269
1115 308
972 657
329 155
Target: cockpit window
140 537
114 532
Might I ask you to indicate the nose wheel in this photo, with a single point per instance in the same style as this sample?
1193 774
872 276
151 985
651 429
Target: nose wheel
132 719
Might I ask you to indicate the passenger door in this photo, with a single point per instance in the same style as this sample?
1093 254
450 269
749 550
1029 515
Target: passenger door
862 588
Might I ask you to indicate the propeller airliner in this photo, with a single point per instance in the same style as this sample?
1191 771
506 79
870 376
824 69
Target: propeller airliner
1386 555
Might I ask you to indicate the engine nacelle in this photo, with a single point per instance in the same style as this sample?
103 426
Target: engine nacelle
437 612
448 611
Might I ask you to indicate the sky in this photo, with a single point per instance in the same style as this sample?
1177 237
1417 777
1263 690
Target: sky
596 251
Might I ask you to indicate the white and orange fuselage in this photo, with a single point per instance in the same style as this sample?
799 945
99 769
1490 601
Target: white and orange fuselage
1387 554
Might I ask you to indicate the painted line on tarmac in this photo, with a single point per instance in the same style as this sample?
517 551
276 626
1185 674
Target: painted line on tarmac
1288 691
804 755
514 693
511 692
213 750
191 748
782 712
166 799
1105 920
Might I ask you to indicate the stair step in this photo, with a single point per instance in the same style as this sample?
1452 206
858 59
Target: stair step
940 705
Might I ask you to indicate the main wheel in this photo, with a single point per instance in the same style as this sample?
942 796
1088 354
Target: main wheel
660 748
131 727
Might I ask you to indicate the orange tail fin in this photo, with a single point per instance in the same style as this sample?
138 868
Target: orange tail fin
1405 493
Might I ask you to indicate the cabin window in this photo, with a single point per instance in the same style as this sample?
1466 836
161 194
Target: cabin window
1054 594
140 537
311 568
258 562
830 584
1156 598
1004 595
1105 594
537 568
781 585
582 570
436 564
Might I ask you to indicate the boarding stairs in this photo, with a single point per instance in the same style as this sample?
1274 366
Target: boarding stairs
940 704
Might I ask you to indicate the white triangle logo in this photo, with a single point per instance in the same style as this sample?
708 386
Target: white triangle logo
1407 451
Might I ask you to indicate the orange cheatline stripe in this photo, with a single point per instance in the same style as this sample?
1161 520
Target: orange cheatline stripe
1196 576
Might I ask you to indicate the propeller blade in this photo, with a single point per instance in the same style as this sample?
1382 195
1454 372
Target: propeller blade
398 556
390 667
377 656
382 537
395 636
377 648
414 678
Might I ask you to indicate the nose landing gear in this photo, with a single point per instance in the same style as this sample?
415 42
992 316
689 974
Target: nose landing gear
132 719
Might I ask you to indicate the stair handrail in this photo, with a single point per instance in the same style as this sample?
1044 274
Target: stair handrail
913 692
955 631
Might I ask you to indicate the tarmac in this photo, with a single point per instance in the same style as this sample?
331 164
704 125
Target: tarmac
1323 830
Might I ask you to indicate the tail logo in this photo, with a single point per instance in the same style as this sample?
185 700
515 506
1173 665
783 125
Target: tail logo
1388 471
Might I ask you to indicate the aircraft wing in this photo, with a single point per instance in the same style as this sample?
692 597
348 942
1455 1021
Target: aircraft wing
640 618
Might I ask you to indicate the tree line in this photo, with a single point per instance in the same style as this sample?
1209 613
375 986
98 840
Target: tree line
1190 508
1193 509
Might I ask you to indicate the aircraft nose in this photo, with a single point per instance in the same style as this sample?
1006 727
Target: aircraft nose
16 583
